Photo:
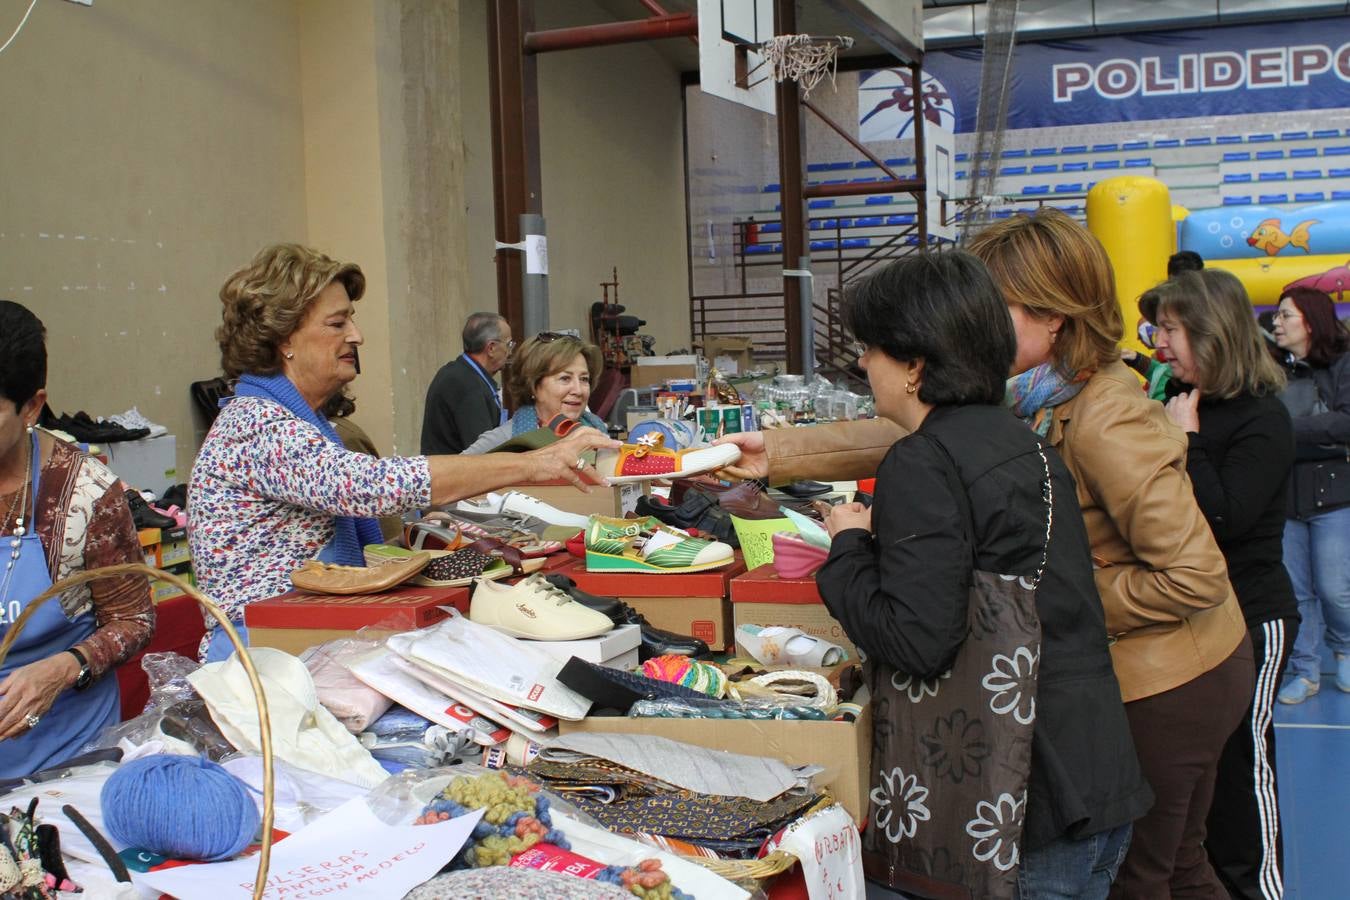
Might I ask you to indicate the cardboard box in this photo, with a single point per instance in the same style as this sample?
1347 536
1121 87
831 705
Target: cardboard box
738 348
762 597
706 618
657 370
163 590
150 464
617 501
611 649
843 749
297 620
173 547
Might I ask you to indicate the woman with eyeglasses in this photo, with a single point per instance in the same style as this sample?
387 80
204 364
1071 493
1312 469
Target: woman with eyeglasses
1317 533
273 486
549 377
1241 449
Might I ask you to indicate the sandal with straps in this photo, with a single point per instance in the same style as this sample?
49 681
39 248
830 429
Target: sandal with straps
487 559
527 542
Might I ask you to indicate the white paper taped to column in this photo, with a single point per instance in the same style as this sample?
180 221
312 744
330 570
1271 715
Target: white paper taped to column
536 254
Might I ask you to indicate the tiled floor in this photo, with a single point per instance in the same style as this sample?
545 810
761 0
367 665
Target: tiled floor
1312 749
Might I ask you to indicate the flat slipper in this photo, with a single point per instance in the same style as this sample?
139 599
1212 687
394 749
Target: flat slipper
648 460
378 575
779 645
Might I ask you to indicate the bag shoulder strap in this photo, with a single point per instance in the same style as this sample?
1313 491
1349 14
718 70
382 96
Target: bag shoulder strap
953 474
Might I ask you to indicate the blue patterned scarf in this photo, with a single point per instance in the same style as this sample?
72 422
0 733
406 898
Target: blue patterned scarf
527 419
351 533
1035 393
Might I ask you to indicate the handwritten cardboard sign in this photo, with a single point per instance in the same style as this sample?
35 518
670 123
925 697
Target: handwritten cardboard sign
347 854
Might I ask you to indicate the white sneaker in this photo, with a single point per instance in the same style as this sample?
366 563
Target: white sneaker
536 610
525 505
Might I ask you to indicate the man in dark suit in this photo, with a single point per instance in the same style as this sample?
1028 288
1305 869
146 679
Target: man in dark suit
463 400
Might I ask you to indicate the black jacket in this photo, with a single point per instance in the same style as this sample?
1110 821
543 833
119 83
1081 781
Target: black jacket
902 596
1321 480
1239 464
460 407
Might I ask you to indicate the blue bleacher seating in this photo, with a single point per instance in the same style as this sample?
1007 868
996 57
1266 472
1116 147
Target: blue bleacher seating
1167 142
835 181
1300 152
1074 148
817 167
1013 170
1197 142
1340 195
823 203
1134 145
1043 151
1014 154
867 222
1293 135
960 157
1003 214
1070 188
1237 178
1237 156
864 164
836 166
1336 151
816 224
1139 162
1244 200
772 188
1106 164
856 243
1228 139
905 219
1036 189
1105 148
884 200
1311 197
763 248
1272 176
1307 173
1075 167
1324 133
1270 154
1338 173
1260 138
865 180
1072 209
771 228
1044 168
961 175
1274 198
822 245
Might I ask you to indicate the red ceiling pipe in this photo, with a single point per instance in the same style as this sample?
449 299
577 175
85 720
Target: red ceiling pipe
672 26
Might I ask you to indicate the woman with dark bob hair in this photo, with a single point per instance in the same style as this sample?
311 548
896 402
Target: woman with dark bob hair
550 375
1241 449
937 343
1315 352
64 512
273 486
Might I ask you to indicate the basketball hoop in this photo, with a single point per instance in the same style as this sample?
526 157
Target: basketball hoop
803 58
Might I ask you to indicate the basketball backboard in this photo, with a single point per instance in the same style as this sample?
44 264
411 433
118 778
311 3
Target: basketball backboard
728 33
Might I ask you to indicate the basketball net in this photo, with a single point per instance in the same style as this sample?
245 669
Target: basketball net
803 58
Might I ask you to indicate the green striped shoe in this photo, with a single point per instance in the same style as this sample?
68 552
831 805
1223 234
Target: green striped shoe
646 545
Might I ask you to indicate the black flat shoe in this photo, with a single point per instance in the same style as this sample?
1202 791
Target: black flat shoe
655 641
805 490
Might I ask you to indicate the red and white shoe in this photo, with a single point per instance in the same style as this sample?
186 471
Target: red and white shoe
648 460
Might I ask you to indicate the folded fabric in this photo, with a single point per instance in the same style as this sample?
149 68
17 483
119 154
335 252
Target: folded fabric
794 557
491 663
353 702
303 732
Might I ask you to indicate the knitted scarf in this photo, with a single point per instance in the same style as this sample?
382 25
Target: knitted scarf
527 419
351 533
1035 393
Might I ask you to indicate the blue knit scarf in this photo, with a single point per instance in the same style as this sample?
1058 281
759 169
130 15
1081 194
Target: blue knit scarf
527 419
351 533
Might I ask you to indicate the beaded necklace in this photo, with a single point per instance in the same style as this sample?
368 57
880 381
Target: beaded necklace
16 539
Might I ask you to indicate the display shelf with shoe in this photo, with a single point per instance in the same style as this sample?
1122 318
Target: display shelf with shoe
762 597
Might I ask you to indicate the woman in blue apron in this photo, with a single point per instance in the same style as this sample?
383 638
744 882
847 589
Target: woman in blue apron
65 512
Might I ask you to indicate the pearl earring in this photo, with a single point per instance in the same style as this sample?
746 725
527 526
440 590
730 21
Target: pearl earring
909 387
290 356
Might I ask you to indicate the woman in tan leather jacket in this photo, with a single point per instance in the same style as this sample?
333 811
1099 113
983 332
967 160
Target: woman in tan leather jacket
1180 648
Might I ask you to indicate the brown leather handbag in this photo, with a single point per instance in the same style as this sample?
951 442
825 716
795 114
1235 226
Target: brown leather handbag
952 755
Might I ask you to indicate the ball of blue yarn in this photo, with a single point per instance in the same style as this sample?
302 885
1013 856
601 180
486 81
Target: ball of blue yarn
182 807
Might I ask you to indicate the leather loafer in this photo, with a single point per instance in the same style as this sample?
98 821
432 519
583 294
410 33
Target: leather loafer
655 641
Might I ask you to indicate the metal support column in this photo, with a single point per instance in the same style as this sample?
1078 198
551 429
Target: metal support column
791 177
514 102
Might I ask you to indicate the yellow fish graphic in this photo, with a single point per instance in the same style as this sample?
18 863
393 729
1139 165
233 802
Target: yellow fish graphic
1270 238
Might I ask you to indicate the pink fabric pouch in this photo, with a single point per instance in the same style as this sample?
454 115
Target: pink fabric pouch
793 557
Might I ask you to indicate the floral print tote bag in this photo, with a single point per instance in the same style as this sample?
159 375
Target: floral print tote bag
952 755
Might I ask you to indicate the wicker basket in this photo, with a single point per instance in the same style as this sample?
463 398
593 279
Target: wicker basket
265 734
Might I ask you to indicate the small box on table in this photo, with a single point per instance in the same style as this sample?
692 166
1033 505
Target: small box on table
761 597
617 649
297 620
693 603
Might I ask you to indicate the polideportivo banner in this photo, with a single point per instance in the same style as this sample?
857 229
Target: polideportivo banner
1271 67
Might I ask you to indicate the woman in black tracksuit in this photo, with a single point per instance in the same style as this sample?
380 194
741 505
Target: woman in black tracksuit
1225 394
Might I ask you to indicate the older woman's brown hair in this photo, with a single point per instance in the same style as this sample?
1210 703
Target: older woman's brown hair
1230 354
265 301
1050 264
543 355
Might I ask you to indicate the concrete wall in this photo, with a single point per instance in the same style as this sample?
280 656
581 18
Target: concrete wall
151 148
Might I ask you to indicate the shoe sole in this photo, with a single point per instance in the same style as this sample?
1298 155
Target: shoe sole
608 562
712 465
1303 699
